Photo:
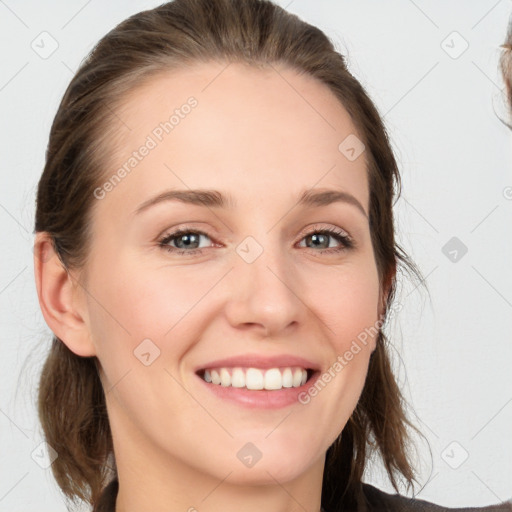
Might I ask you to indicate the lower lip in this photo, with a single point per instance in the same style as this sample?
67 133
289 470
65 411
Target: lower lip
261 399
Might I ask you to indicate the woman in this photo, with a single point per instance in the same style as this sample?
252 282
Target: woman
215 255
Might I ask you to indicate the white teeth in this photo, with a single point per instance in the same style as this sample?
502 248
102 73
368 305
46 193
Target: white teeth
253 378
238 378
297 378
225 378
287 378
273 379
256 379
215 377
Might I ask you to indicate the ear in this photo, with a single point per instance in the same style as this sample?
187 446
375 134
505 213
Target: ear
61 298
385 289
383 299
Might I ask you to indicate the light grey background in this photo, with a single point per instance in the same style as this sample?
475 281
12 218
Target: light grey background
453 351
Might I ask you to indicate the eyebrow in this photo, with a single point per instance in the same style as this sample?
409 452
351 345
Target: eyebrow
215 199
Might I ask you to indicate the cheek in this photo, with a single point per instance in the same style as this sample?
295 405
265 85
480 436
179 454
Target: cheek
144 301
144 319
346 299
134 303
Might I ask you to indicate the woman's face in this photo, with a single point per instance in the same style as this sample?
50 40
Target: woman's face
255 280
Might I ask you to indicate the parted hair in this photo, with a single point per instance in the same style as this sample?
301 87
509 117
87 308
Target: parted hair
71 400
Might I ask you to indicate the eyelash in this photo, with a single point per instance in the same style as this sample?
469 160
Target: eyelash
346 241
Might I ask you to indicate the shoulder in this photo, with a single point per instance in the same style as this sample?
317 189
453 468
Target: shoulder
381 501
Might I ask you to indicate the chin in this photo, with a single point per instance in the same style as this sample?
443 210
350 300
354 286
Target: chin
264 461
268 472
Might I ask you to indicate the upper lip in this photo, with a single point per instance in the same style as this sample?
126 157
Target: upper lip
259 361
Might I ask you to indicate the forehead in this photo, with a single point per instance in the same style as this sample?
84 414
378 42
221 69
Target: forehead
254 128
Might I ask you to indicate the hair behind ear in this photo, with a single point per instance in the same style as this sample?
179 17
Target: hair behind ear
80 433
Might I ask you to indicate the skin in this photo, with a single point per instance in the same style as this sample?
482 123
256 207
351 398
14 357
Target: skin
264 136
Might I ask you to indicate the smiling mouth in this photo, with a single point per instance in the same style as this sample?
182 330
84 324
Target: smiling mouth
256 379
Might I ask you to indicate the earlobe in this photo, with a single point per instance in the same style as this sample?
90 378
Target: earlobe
61 306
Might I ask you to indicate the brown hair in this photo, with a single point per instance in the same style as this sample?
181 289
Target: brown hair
71 398
506 64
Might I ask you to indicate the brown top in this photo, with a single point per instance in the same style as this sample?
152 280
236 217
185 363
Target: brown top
378 501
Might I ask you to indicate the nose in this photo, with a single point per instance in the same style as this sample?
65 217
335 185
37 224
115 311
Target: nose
264 295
